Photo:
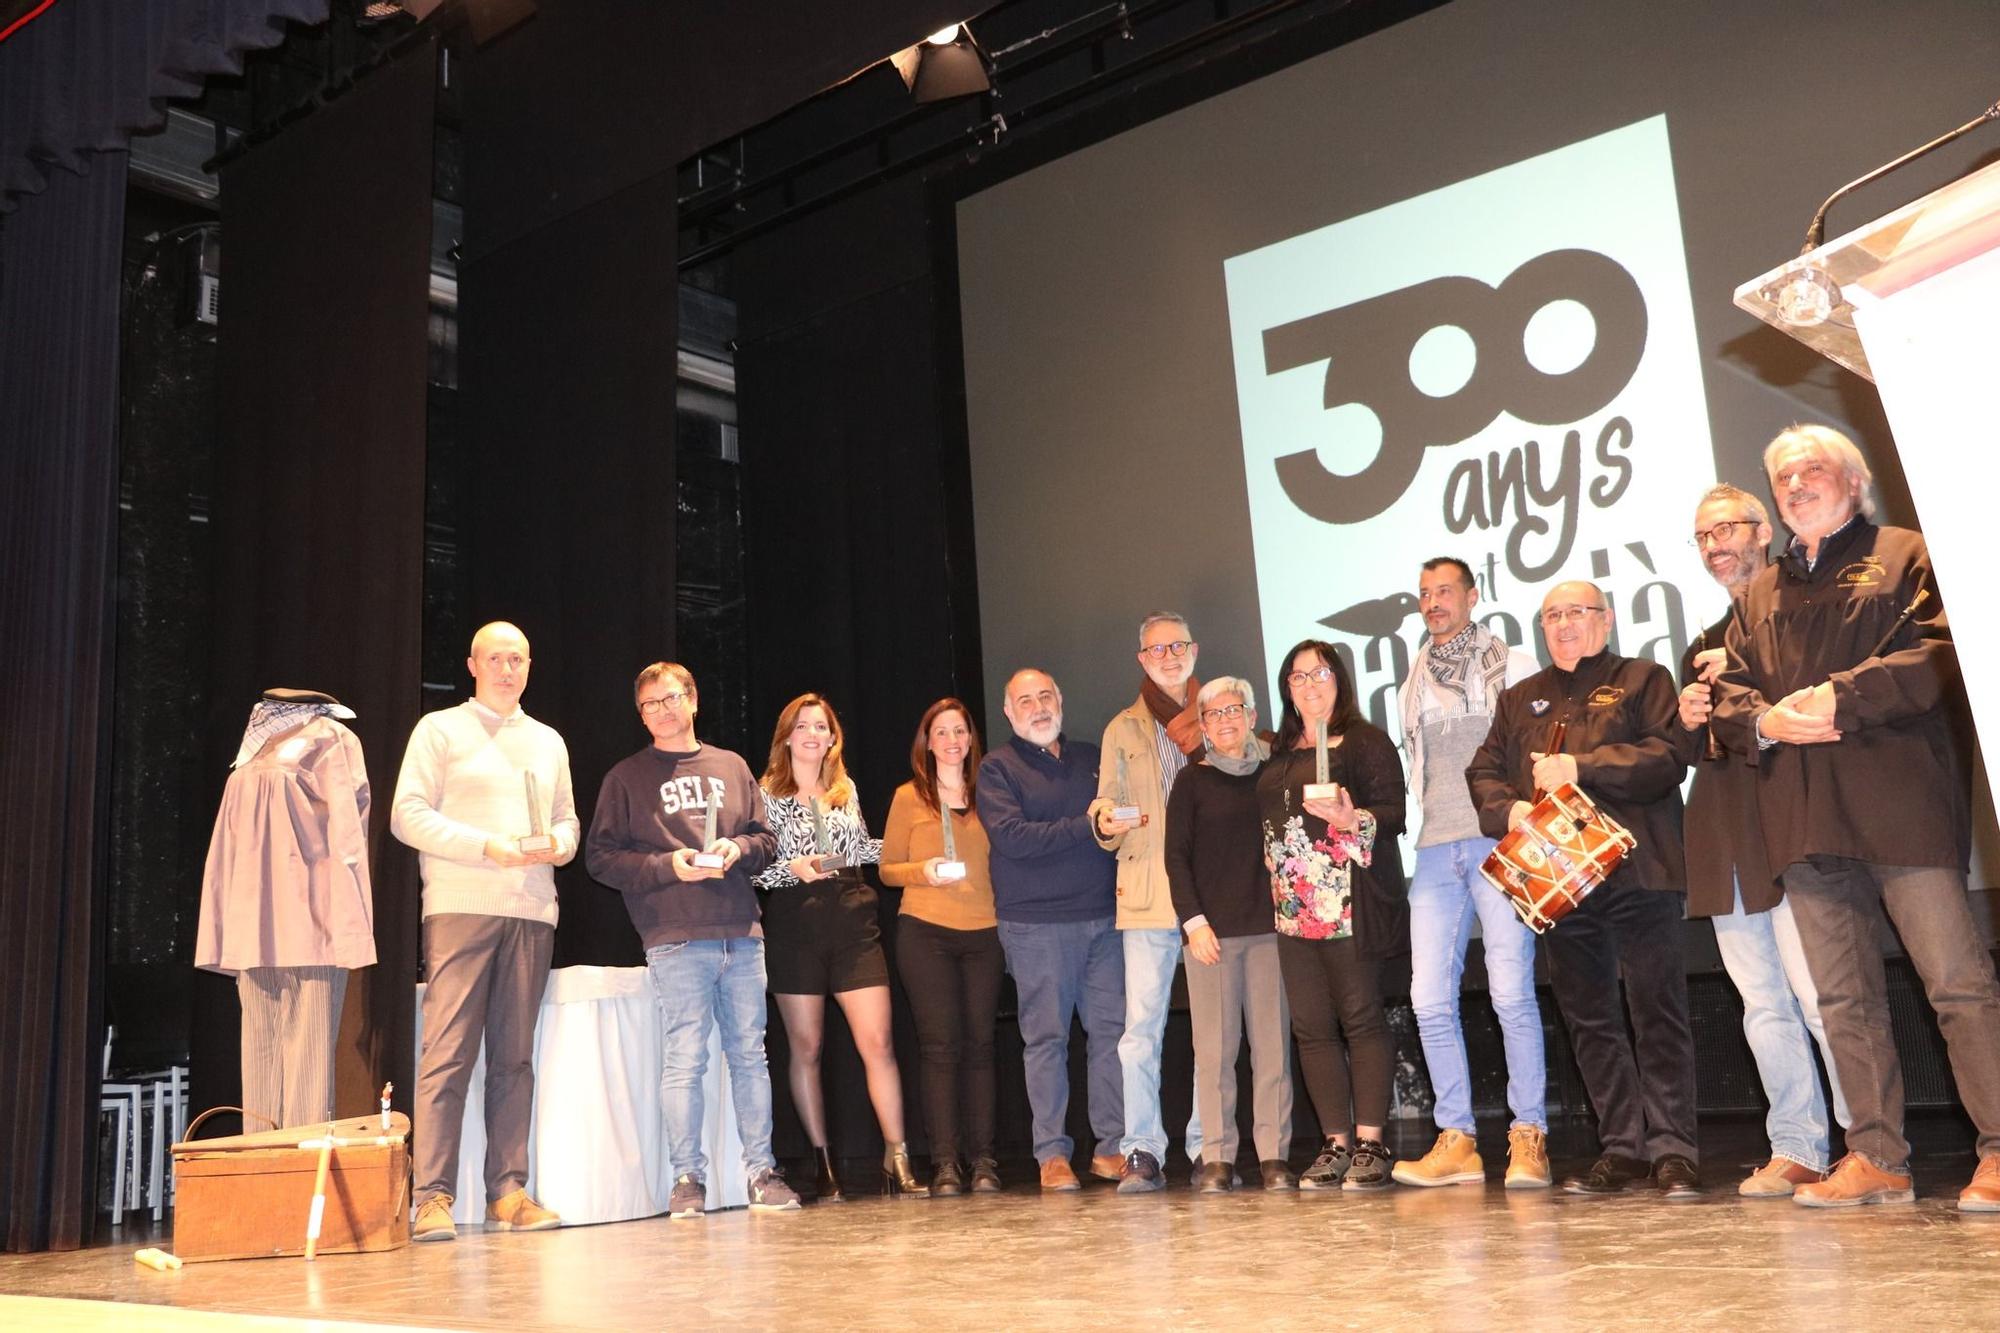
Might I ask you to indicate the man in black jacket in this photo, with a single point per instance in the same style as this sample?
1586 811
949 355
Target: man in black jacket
1729 882
1839 660
1620 715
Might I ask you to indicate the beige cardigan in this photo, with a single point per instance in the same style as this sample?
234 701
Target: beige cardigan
1144 902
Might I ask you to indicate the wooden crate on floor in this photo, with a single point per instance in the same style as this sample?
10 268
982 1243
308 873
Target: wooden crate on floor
249 1196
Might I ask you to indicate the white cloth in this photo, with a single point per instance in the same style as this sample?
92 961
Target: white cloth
598 1149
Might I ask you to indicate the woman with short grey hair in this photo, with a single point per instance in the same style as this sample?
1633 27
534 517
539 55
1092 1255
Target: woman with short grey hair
1222 895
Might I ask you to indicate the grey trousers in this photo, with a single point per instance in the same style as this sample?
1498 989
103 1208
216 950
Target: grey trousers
290 1018
484 978
1834 906
1244 988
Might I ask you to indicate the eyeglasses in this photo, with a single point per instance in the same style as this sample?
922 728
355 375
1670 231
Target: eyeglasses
1322 674
648 707
1566 615
1178 648
1719 534
1231 711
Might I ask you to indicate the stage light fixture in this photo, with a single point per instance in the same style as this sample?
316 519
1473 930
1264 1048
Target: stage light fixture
945 65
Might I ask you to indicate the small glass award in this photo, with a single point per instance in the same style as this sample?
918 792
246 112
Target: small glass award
827 861
704 858
1320 789
950 870
538 838
1123 809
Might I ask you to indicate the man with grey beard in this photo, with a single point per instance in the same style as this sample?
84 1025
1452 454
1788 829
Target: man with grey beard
1730 882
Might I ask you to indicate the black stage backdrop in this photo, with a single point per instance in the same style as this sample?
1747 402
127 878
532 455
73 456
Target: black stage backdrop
59 258
567 375
319 504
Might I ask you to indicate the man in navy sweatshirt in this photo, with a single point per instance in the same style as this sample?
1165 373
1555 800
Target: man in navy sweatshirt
1055 891
704 946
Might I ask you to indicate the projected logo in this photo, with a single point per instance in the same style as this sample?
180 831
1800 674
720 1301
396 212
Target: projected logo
1504 370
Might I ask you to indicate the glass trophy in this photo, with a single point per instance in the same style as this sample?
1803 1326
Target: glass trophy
1319 789
538 838
950 870
826 860
1123 809
704 858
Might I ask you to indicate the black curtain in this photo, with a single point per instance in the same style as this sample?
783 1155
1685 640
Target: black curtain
567 371
59 261
85 76
319 496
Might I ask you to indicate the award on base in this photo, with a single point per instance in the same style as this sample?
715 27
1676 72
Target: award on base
827 861
538 838
1320 789
704 858
950 870
1122 807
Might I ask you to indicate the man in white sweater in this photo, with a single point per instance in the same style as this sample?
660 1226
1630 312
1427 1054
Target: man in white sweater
481 784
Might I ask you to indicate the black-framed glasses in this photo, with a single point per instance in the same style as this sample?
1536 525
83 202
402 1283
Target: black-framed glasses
1225 711
1322 674
1178 648
648 707
1720 533
1566 615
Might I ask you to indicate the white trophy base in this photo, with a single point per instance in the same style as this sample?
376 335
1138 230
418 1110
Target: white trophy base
1127 813
710 860
950 872
537 842
1322 791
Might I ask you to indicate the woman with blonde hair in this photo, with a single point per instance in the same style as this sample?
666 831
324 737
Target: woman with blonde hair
822 935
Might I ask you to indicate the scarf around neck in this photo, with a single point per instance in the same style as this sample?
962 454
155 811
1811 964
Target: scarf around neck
1183 726
1255 752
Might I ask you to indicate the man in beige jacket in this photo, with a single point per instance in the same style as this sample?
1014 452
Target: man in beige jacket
1145 748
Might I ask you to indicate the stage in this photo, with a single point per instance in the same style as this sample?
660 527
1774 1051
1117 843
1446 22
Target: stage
1455 1257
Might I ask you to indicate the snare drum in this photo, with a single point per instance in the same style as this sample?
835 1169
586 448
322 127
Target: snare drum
1558 853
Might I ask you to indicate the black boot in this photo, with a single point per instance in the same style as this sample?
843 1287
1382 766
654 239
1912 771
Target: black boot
985 1176
948 1179
898 1176
827 1185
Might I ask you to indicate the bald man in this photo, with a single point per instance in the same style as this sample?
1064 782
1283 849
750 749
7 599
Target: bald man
1621 714
463 800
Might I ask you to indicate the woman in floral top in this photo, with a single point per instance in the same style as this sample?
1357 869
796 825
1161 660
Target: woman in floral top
1338 893
822 934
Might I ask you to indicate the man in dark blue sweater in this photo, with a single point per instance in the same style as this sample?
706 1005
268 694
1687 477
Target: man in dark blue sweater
660 814
1055 891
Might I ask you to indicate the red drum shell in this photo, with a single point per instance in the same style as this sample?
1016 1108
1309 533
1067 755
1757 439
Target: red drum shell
1558 853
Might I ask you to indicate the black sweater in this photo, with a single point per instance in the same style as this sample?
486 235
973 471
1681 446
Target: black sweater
1215 852
654 803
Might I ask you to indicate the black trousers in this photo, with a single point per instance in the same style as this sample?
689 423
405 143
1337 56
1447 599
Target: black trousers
1641 1083
1335 995
953 981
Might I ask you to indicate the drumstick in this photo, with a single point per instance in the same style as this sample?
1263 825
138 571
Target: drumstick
1714 750
1923 595
319 1193
1555 747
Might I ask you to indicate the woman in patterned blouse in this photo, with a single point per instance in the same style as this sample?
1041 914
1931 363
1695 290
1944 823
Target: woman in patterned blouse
1337 888
822 934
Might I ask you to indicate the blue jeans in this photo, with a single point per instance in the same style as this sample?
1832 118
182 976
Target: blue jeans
1150 959
1062 968
697 985
1767 965
1446 892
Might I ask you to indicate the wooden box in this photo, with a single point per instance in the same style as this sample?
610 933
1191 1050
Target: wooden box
249 1197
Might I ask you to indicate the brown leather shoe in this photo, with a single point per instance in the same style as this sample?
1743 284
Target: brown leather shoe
1983 1194
1778 1179
518 1212
1056 1175
1855 1181
1107 1166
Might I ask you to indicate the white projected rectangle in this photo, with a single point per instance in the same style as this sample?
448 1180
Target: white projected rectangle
1504 370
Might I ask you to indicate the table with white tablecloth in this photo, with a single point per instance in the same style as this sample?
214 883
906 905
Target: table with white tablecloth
598 1148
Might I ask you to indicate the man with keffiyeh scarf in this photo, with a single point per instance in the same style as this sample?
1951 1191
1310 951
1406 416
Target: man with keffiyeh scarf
1447 707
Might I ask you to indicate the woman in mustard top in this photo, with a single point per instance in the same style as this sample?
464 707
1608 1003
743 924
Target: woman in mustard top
948 943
